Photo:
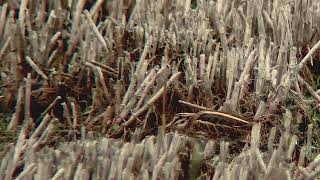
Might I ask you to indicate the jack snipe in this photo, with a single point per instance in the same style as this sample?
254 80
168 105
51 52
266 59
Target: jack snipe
211 124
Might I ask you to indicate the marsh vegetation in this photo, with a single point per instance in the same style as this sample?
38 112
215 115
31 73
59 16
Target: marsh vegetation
159 89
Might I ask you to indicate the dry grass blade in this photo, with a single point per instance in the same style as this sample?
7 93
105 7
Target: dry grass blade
225 115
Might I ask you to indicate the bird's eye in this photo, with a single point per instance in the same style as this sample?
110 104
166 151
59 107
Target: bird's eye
181 123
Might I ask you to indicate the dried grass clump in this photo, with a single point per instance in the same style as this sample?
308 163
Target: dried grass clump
167 156
111 66
99 159
124 69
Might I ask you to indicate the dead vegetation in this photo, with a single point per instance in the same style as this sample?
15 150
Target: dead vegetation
125 69
167 156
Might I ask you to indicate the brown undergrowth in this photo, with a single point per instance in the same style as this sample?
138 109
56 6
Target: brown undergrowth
125 69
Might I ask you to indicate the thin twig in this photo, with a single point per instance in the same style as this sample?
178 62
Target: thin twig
96 31
307 57
36 68
194 105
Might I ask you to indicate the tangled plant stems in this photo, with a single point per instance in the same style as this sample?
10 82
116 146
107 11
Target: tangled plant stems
124 89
